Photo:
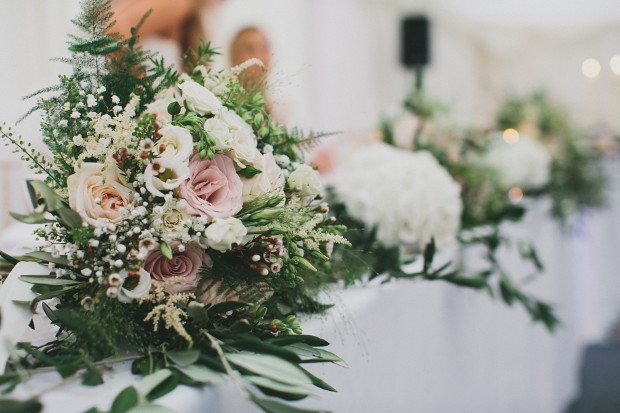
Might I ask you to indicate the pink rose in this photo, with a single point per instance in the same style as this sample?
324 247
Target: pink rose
185 264
213 188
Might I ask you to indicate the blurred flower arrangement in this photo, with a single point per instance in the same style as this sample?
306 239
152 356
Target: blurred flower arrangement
179 218
576 179
532 151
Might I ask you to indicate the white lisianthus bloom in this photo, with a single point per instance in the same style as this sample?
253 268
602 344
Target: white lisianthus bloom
220 132
177 143
143 286
305 180
269 181
199 99
407 196
240 138
223 233
172 173
525 164
169 221
159 106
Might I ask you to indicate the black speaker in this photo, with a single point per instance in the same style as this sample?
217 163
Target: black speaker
414 41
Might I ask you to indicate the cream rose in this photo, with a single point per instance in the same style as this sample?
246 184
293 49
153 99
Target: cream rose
269 181
224 232
305 180
199 99
170 221
175 142
171 173
98 195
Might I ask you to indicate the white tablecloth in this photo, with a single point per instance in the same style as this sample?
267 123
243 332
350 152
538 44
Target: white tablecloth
431 347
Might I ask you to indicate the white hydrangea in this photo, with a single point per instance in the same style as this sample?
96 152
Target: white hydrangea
525 164
407 196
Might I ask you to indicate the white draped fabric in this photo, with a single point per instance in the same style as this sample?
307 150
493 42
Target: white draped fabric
433 347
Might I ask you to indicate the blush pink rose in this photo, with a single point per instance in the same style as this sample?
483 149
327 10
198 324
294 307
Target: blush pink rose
186 264
213 189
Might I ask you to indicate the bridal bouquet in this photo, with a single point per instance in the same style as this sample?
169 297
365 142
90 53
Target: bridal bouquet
177 217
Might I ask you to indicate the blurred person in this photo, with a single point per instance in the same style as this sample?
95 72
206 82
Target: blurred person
252 42
172 28
248 43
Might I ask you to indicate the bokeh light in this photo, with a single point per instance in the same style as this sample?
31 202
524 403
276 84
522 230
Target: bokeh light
591 68
511 136
515 194
614 63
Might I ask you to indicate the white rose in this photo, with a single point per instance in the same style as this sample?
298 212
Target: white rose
222 233
142 287
306 180
178 143
199 99
96 195
173 172
170 222
242 140
270 180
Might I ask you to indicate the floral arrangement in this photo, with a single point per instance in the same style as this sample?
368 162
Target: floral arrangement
178 218
407 196
448 184
576 179
524 164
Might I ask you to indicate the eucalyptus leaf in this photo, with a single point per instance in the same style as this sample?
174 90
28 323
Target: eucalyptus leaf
317 354
274 406
52 200
70 217
17 406
92 377
125 400
300 338
166 250
47 257
269 366
150 382
45 280
151 408
278 386
183 358
165 387
320 383
10 259
201 374
31 219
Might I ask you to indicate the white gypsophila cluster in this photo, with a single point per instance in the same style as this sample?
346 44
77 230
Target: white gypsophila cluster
407 196
525 164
